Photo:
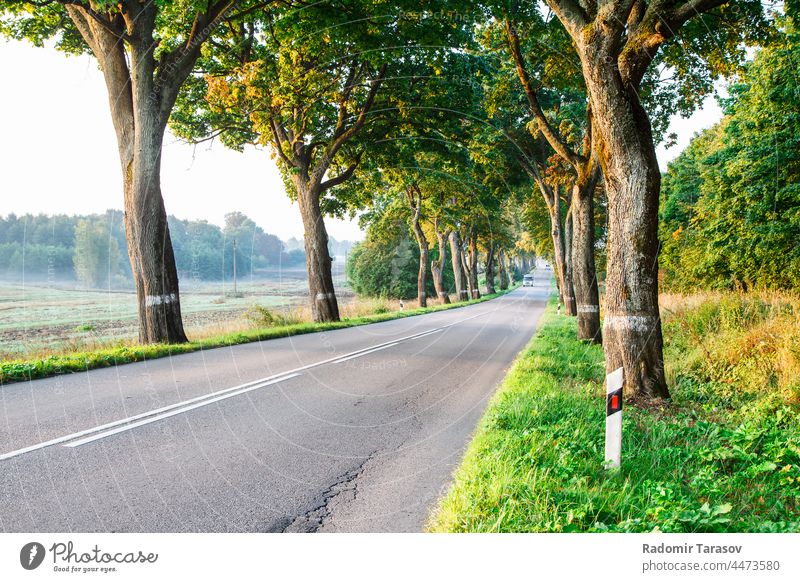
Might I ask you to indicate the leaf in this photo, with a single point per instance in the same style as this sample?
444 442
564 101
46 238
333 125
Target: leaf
722 509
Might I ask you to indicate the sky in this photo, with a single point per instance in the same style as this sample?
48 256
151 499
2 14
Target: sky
58 152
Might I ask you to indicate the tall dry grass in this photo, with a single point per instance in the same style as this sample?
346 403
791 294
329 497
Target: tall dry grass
749 341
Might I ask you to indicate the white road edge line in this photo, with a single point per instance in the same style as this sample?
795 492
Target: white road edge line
133 425
210 397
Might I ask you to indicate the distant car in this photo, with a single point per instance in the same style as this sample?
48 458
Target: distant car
527 281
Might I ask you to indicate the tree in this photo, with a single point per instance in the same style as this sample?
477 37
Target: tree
414 197
456 259
308 87
617 42
146 50
579 260
731 201
386 263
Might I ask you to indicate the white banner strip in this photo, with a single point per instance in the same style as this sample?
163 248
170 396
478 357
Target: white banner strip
365 557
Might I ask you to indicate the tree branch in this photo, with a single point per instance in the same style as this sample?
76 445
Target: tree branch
552 135
343 177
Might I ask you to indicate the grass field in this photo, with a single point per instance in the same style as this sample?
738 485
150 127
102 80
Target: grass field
723 456
37 318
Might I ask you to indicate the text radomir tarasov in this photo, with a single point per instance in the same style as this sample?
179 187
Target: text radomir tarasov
689 549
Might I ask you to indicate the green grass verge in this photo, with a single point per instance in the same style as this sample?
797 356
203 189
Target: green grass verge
705 463
22 370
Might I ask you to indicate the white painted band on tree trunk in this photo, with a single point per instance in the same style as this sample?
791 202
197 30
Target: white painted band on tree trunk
613 452
588 309
641 323
324 296
151 300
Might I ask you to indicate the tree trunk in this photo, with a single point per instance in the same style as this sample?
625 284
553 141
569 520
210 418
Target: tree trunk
583 266
472 260
570 304
324 307
458 270
437 266
422 243
149 245
632 325
139 111
501 260
557 234
467 273
490 290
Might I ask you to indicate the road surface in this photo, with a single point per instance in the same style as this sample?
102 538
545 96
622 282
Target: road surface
356 429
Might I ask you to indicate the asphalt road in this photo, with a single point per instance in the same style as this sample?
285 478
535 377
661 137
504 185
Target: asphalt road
357 429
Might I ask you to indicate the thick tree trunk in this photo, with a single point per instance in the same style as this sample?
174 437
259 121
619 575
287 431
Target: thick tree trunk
490 290
501 261
324 307
472 271
557 234
570 304
139 112
467 274
422 243
632 326
458 270
149 245
583 267
437 266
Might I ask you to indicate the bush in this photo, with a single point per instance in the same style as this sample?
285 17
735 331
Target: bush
261 317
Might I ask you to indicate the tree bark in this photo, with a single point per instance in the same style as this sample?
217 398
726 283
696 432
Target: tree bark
324 306
149 245
490 290
437 266
557 234
472 261
501 260
583 265
414 196
458 270
625 149
570 305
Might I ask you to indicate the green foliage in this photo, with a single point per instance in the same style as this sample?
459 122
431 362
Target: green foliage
263 317
730 212
706 463
384 267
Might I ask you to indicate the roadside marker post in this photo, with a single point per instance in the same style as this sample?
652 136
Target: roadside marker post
614 382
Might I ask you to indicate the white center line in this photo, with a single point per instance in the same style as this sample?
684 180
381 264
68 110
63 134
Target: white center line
339 361
133 425
135 417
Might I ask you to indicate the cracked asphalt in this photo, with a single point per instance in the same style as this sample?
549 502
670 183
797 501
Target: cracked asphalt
357 430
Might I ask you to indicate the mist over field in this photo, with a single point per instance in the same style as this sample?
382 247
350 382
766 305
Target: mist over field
65 280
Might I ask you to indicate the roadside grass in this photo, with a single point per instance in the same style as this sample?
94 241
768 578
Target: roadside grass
268 325
724 456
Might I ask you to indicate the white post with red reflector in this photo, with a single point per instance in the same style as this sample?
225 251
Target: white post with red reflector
614 382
